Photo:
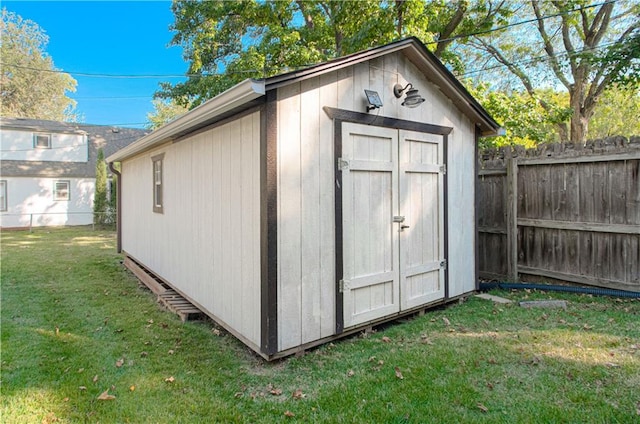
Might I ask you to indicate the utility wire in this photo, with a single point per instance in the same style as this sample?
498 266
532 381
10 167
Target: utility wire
159 76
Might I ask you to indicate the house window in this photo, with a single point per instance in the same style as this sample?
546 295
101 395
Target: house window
42 141
157 182
3 196
61 190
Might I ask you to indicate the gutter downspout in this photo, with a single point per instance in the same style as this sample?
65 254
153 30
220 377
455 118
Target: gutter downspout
118 205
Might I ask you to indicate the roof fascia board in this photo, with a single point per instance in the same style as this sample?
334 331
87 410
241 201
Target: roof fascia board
236 96
454 88
39 129
334 65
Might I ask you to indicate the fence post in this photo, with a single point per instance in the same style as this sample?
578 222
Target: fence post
31 223
512 215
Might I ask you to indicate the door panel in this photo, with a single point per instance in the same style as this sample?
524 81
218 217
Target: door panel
369 201
422 204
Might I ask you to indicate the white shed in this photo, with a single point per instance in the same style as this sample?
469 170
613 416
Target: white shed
303 207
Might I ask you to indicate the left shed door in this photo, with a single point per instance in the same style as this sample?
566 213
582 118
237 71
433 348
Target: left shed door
371 276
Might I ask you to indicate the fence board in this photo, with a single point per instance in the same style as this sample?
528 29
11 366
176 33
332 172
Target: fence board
575 213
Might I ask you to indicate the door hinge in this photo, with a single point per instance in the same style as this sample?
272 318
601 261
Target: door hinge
343 164
443 264
443 169
343 285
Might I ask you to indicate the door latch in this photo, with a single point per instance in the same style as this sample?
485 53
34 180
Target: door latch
398 218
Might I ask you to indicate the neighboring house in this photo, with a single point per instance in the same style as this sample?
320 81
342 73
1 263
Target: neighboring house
309 205
48 168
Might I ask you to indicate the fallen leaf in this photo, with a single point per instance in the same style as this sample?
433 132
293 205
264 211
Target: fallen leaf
106 396
298 394
490 386
82 388
638 408
289 414
80 370
446 321
350 373
482 407
143 354
150 321
216 331
132 388
386 339
66 399
120 362
169 379
381 362
398 373
275 392
171 352
95 378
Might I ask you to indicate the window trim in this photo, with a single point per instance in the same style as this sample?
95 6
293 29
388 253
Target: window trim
4 203
35 140
56 196
157 181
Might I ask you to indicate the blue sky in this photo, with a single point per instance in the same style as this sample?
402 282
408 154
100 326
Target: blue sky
115 38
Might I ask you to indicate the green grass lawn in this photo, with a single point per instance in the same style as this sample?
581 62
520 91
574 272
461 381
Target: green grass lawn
75 325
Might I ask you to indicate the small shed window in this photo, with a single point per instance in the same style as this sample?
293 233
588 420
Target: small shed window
157 182
42 141
61 190
3 196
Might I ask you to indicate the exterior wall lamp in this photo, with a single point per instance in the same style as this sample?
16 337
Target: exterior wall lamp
412 99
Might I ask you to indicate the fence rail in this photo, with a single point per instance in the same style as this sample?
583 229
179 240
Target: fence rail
55 219
565 212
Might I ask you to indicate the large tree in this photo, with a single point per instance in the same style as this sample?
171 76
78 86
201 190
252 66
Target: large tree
579 46
30 85
228 41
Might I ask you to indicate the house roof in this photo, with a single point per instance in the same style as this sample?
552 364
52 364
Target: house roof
108 138
246 93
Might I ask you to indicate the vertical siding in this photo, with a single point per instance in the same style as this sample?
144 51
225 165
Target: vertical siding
207 241
306 274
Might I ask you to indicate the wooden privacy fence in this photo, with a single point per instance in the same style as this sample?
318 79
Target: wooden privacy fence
563 211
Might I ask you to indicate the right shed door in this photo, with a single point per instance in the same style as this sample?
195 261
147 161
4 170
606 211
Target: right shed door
422 261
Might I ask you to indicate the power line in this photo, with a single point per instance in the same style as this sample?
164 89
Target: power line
159 76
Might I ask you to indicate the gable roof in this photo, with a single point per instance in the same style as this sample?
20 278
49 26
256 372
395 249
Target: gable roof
247 93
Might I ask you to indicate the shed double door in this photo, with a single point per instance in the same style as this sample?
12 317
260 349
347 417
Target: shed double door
392 221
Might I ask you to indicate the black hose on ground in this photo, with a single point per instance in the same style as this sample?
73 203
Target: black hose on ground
568 289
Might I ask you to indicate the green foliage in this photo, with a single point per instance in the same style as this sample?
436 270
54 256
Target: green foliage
617 113
29 87
100 201
164 112
68 322
223 49
526 122
577 45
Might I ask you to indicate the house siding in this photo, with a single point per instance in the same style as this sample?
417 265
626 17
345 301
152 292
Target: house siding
206 242
30 202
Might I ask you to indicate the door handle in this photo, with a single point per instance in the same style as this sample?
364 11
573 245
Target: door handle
403 227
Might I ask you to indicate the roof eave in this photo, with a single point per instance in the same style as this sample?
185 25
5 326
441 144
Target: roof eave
236 96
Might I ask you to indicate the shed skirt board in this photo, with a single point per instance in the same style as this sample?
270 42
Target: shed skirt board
392 221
